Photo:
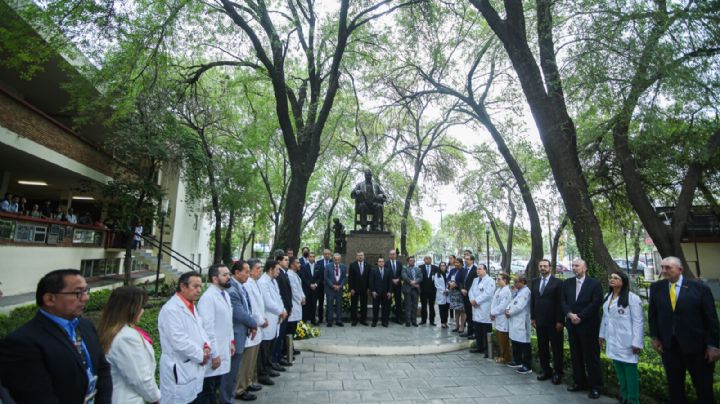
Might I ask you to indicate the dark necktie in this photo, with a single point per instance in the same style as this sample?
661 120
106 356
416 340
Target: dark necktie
337 271
246 297
542 286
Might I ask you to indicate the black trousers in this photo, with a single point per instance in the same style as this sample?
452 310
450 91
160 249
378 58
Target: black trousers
444 311
308 310
381 305
522 353
585 355
547 337
362 298
481 330
264 361
468 312
320 302
208 395
676 363
427 299
398 306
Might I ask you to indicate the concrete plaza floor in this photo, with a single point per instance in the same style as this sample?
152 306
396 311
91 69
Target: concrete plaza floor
449 377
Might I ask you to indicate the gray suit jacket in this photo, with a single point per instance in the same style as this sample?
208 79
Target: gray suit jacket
242 317
407 277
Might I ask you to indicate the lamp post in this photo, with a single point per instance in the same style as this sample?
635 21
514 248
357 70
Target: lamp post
627 261
487 245
164 204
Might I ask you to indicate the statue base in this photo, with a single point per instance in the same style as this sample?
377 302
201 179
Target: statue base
374 244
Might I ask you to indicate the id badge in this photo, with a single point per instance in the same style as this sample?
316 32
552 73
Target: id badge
92 389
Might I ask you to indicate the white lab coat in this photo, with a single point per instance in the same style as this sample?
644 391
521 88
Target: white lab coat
258 311
440 289
132 367
216 313
273 305
622 329
182 339
297 296
481 292
501 300
519 321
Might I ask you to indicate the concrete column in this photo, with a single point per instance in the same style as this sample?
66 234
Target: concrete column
4 183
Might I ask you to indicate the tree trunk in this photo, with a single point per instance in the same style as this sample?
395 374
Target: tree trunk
556 243
406 206
511 231
636 234
227 242
288 235
504 262
557 130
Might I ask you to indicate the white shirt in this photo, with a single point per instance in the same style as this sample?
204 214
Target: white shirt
578 286
216 313
257 305
678 287
182 338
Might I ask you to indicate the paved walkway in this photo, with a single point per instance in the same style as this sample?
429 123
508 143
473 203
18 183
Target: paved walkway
450 377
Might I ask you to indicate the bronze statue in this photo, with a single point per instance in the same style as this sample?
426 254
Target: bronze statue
369 200
339 231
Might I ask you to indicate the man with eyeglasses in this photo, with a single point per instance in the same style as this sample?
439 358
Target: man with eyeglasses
56 357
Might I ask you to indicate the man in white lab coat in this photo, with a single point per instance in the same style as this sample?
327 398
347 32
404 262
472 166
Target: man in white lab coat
185 346
480 294
216 313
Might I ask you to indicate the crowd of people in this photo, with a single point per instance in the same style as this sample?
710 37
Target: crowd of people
19 205
232 339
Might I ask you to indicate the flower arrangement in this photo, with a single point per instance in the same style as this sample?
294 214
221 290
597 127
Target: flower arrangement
305 331
346 296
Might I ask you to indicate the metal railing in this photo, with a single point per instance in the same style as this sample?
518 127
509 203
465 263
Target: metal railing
172 253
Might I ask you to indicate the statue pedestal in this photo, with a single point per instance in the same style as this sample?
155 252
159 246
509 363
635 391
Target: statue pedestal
373 244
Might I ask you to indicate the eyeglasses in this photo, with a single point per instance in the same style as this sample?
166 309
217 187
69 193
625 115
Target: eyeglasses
615 277
78 293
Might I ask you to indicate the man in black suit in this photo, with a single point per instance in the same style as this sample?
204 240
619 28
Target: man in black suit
464 288
427 291
381 289
581 300
56 357
396 266
283 282
358 279
547 319
311 284
684 330
320 268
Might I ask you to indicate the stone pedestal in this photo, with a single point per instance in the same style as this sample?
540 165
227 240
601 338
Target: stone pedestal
373 244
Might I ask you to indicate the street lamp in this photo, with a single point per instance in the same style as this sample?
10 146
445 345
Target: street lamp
164 205
487 244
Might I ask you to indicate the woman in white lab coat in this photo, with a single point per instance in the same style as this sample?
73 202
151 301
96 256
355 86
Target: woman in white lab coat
622 331
128 348
441 294
501 300
298 296
518 313
274 313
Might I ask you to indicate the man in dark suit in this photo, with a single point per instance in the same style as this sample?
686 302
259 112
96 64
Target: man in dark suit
335 278
311 279
427 291
464 288
684 330
547 319
381 289
358 279
283 283
320 267
56 357
581 299
396 266
411 278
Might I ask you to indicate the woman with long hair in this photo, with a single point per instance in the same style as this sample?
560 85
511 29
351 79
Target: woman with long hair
622 331
128 348
441 294
456 278
501 299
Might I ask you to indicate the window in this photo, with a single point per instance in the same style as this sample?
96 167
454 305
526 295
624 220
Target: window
7 228
30 233
100 267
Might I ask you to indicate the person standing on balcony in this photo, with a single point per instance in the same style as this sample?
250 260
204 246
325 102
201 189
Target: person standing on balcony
70 216
137 236
6 202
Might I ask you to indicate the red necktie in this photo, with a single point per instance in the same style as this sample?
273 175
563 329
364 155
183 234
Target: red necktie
337 271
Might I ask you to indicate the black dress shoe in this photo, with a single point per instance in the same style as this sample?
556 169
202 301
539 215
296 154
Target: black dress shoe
433 324
475 350
266 381
407 324
576 387
254 387
471 336
385 325
283 362
463 335
354 323
455 330
415 324
340 324
544 376
423 323
278 368
246 396
374 324
397 321
314 322
296 352
594 393
364 323
556 379
329 324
